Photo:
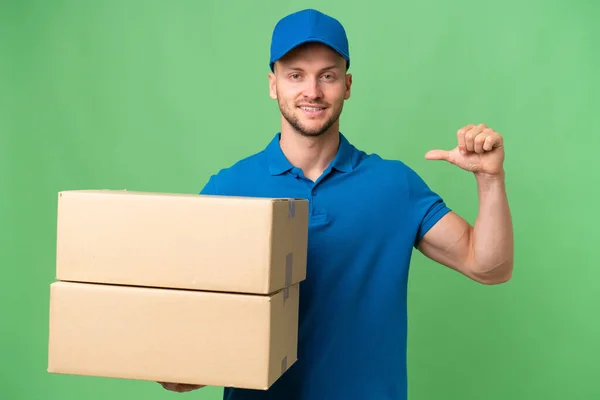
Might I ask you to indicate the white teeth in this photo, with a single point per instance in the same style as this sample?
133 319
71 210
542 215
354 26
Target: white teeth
311 109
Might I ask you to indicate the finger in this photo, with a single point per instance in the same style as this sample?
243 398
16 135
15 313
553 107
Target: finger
181 388
167 385
178 387
470 136
188 388
493 141
172 387
437 155
480 139
460 135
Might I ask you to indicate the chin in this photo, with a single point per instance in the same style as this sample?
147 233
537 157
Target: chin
313 131
309 125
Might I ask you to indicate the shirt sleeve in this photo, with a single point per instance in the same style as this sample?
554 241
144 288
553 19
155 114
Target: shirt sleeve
210 187
427 207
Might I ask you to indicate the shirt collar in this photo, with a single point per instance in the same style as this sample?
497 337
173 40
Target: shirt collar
279 164
345 157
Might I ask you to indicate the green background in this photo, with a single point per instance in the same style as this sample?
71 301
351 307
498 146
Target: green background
157 95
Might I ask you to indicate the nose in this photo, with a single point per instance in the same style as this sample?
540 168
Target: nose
312 89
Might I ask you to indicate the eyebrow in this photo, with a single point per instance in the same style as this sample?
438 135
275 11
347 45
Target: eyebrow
333 66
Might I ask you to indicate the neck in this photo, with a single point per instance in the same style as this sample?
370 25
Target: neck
311 154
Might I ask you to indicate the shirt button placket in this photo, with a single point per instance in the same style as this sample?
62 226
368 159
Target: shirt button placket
314 208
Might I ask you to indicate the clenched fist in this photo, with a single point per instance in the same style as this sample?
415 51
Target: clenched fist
480 150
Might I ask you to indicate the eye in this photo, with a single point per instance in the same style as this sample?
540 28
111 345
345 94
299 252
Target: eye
295 76
328 76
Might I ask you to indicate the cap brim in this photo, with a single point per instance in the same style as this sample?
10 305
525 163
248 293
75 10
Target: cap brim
312 40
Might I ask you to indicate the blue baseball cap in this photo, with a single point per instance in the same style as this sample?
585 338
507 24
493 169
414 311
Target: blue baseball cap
308 26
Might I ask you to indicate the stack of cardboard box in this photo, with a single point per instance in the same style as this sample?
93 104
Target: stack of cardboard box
177 288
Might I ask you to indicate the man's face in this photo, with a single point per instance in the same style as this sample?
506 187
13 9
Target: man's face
310 84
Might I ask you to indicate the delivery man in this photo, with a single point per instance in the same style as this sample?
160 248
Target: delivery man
367 214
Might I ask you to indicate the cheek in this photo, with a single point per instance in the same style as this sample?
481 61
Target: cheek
287 95
336 95
336 90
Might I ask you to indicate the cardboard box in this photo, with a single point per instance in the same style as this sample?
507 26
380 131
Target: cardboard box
229 244
184 336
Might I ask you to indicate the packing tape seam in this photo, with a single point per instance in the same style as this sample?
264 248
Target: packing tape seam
284 364
289 268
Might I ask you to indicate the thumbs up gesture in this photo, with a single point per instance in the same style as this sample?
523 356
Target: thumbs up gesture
480 150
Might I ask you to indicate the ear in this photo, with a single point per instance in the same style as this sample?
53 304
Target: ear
348 86
272 86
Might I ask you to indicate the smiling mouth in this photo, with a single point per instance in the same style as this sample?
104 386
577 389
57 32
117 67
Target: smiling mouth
312 110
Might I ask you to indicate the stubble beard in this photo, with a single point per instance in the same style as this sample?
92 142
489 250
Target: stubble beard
294 121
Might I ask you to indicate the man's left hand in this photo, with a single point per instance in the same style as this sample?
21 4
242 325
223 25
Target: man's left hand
480 150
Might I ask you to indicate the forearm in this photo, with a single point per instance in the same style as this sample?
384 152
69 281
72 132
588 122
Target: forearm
491 242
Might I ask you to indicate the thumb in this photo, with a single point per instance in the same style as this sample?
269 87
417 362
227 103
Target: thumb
437 155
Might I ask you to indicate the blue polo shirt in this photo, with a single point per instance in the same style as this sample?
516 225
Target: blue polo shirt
366 216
